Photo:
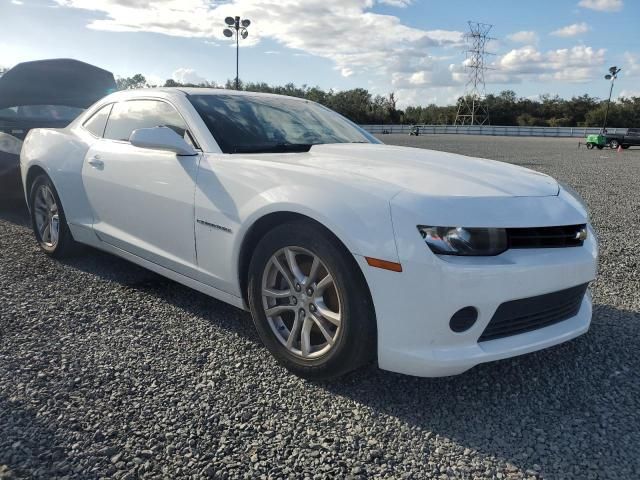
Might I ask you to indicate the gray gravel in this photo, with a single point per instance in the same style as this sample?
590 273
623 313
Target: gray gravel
107 370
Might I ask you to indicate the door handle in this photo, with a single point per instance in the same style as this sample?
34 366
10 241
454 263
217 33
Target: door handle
95 161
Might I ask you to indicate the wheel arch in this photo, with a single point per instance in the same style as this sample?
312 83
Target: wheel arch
34 172
267 222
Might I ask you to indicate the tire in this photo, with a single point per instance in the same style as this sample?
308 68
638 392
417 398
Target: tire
614 144
341 306
45 202
590 146
600 147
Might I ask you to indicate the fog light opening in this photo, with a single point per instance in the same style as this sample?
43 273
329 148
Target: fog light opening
463 319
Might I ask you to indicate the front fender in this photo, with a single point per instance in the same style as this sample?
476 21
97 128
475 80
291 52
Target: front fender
232 195
363 226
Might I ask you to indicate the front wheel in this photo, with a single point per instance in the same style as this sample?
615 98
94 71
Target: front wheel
614 144
310 303
48 220
590 146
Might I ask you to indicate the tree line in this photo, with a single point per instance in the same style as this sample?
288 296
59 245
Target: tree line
505 108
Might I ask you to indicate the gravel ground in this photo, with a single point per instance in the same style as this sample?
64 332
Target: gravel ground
107 370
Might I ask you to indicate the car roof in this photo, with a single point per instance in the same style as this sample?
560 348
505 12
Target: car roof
170 91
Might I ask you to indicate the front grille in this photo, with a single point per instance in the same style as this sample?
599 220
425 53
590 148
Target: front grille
546 237
526 314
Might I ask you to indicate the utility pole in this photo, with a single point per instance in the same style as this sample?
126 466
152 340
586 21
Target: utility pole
472 109
612 75
237 27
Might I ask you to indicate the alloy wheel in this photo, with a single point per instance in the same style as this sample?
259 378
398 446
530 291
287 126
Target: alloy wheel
301 302
47 216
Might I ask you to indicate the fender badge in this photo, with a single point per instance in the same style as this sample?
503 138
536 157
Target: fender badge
213 225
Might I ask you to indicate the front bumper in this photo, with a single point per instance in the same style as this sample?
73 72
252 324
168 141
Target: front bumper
414 307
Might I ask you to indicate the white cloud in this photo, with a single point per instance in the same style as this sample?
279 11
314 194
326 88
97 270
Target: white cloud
527 37
347 32
602 5
154 79
397 3
425 96
631 65
346 72
572 65
577 64
17 2
629 93
187 75
571 30
431 75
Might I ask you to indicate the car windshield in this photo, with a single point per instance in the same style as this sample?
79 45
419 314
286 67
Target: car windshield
261 124
41 112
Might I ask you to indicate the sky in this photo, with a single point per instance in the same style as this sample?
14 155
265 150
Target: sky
415 48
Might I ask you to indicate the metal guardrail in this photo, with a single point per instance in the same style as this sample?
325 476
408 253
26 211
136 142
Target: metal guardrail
512 131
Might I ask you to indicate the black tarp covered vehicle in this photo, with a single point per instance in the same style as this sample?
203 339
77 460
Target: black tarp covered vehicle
42 94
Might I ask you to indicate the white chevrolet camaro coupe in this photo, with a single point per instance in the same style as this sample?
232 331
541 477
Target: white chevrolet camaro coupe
345 250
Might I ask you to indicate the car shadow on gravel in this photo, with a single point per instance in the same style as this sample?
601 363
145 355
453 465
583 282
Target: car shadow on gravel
34 455
554 410
14 211
120 271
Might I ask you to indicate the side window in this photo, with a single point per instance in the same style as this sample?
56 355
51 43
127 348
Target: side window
129 116
98 120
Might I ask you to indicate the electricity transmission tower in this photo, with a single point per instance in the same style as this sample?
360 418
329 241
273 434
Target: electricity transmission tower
472 109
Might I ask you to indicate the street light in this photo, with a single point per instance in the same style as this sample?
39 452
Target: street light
612 75
236 27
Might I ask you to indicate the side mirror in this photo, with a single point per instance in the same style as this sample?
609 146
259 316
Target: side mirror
161 138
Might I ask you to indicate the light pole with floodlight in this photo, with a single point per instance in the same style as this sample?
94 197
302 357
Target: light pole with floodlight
612 75
236 27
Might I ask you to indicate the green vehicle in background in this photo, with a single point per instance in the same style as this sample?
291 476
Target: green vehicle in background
598 141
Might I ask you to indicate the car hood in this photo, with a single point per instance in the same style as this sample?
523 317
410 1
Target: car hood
55 82
428 172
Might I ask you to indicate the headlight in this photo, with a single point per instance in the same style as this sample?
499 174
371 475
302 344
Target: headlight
464 241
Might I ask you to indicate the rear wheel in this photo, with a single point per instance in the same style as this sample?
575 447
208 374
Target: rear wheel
310 303
48 220
614 144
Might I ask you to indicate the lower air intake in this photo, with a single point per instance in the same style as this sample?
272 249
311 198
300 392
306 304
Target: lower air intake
527 314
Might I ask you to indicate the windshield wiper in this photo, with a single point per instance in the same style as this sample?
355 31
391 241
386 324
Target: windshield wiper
272 148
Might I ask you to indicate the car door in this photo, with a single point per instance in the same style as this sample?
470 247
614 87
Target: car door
142 199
